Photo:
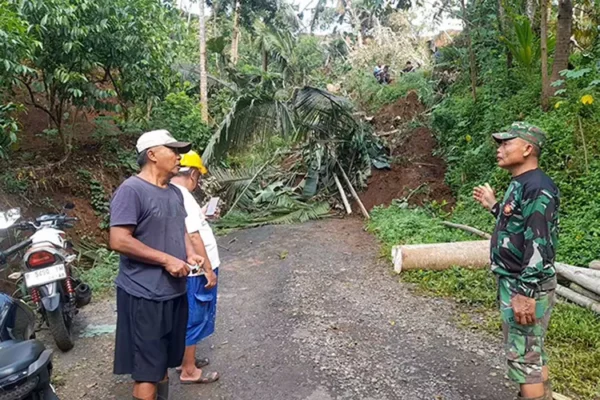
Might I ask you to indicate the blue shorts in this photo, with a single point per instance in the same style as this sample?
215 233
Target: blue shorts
202 305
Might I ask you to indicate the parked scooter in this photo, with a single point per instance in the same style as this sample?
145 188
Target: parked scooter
25 364
47 263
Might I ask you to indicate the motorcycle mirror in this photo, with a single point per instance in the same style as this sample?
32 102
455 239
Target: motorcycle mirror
69 206
8 218
15 276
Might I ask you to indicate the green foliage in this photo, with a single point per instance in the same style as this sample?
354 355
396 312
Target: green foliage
372 96
472 287
15 43
11 183
101 274
181 115
98 198
8 127
526 49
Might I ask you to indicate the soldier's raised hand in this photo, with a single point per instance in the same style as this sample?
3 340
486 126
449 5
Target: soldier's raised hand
485 195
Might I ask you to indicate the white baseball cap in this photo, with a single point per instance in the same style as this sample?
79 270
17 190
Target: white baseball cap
161 137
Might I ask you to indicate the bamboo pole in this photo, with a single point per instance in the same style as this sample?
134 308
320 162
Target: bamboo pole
342 194
584 292
354 194
467 228
578 299
588 282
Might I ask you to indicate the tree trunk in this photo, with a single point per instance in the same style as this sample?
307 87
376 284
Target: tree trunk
544 44
472 62
355 22
235 39
531 10
265 60
563 41
503 30
203 80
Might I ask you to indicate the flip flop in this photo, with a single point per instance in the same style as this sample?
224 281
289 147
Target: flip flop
204 378
200 363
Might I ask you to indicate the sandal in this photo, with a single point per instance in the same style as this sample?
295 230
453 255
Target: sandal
200 363
204 378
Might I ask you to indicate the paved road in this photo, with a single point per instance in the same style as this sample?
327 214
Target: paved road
309 312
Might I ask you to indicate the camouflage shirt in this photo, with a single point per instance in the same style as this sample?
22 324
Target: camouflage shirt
524 242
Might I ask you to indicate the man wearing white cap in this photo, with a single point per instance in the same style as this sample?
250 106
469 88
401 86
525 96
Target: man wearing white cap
147 227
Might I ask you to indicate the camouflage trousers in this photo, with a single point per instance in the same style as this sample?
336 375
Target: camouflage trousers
524 344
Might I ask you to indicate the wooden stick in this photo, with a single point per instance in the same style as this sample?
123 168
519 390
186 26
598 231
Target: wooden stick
467 228
558 396
342 194
354 194
585 153
578 299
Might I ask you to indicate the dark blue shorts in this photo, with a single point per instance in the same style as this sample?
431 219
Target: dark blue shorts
150 336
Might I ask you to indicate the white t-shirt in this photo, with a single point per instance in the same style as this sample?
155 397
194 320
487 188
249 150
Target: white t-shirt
196 222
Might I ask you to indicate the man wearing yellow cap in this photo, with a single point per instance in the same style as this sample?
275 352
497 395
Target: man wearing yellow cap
201 285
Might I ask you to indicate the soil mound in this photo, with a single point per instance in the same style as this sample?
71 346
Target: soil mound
403 110
415 171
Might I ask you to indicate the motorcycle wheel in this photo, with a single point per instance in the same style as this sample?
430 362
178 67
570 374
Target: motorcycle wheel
49 393
59 329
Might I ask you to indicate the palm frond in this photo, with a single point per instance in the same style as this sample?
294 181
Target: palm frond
249 119
233 182
322 114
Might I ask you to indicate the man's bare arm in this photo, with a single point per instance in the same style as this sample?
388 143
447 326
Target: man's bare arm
122 241
199 248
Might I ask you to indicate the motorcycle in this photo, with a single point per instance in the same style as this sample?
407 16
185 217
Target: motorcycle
48 262
25 363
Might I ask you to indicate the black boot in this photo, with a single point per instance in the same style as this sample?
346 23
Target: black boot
162 390
542 397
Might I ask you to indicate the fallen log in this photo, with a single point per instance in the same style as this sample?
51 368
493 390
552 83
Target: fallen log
580 270
588 282
595 265
584 292
440 256
467 228
578 298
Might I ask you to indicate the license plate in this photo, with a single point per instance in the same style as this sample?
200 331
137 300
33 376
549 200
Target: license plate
45 275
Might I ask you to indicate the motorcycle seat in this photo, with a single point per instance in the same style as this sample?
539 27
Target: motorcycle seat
18 356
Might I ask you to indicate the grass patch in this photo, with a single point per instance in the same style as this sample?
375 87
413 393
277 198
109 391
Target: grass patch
573 340
103 271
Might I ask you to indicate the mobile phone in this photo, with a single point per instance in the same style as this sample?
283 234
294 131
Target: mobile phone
212 206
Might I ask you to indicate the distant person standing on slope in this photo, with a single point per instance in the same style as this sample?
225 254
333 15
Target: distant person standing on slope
202 286
523 248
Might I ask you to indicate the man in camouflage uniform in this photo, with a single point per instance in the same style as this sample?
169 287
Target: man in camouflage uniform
523 248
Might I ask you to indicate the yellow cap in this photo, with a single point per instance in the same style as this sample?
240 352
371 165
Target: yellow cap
193 160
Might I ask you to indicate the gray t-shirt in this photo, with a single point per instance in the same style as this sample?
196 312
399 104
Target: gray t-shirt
159 219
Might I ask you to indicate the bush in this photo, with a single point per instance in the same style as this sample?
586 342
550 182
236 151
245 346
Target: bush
463 128
181 115
372 96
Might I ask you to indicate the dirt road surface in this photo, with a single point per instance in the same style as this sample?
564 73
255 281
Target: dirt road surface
309 312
